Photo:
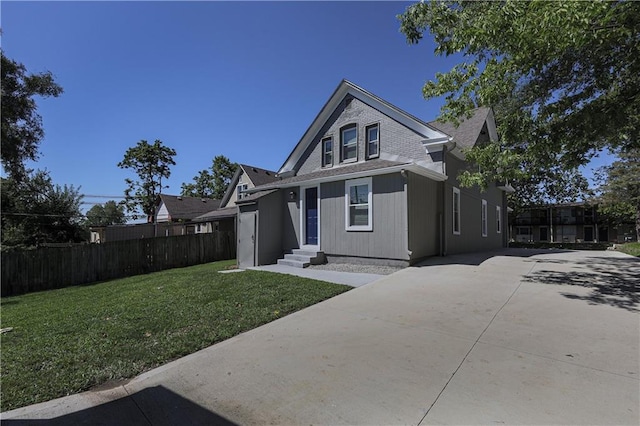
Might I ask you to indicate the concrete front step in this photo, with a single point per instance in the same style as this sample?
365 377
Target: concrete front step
293 263
301 258
298 257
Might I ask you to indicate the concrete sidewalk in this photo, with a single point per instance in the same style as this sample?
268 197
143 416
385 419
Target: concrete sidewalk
516 337
353 279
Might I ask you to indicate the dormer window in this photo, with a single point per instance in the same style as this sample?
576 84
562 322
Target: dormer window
373 141
327 152
349 143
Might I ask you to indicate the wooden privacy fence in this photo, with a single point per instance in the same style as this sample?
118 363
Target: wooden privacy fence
49 268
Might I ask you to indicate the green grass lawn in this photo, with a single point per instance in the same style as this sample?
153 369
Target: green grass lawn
68 340
630 248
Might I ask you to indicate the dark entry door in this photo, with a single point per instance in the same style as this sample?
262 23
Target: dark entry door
544 236
588 233
311 216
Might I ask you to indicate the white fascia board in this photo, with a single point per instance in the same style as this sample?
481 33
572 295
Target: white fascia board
436 142
491 126
231 188
347 88
507 188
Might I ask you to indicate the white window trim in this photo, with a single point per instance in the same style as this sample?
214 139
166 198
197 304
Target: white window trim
483 218
453 211
377 141
498 220
325 152
342 145
347 185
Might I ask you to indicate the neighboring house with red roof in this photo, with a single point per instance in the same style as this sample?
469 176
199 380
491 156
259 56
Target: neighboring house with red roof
371 183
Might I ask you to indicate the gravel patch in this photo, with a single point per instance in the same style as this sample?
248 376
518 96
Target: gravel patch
350 267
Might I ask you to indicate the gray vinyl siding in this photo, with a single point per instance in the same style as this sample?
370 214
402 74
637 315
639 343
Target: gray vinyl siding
424 201
270 228
291 220
470 238
387 240
395 138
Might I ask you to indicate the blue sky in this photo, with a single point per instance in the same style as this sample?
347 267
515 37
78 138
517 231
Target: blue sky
240 79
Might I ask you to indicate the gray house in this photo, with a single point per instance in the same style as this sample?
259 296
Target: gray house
224 218
370 183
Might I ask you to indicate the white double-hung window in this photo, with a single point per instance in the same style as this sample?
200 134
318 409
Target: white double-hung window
327 152
358 205
240 190
349 140
373 141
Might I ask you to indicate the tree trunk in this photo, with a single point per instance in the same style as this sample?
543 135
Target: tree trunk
638 222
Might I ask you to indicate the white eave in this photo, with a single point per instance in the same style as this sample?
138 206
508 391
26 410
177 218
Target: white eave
412 167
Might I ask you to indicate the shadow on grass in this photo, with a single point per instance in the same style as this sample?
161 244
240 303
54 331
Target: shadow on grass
612 281
150 406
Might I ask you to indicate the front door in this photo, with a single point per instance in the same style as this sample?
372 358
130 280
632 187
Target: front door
544 236
588 233
246 239
311 216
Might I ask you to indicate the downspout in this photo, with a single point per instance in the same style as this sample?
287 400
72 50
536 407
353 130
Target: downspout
443 243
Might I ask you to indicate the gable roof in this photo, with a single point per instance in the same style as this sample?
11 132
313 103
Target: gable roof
222 213
187 208
257 175
348 88
468 130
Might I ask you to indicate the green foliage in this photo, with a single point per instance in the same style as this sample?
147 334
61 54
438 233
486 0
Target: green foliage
69 340
620 189
21 125
211 184
630 248
108 214
202 186
563 78
35 211
151 163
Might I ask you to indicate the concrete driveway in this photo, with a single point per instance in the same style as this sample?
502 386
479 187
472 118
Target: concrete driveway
512 337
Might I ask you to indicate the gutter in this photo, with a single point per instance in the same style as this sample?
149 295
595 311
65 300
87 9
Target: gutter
412 167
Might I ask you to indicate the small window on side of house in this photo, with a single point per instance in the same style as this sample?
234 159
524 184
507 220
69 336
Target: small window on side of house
349 144
483 218
240 190
456 211
327 152
498 219
373 141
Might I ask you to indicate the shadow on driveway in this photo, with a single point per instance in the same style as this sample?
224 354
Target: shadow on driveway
613 281
151 406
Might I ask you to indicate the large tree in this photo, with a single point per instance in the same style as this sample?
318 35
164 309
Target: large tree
151 163
212 182
562 77
110 213
21 125
35 211
620 189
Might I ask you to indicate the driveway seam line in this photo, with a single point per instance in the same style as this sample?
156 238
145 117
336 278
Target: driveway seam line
475 343
560 360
